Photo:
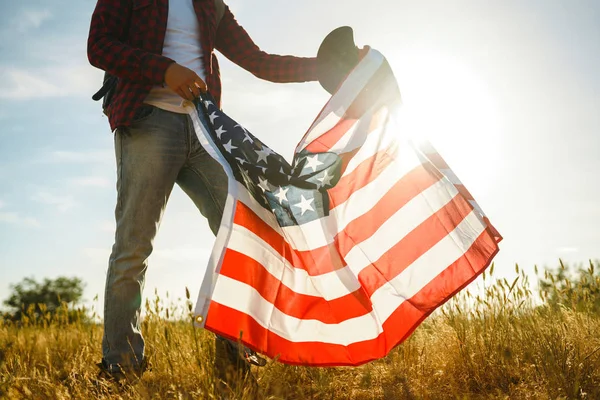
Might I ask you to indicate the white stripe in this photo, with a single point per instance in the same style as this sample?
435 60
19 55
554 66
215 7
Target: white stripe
388 298
343 98
329 286
214 263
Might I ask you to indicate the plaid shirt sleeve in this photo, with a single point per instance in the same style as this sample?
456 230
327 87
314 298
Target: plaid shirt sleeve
107 50
235 44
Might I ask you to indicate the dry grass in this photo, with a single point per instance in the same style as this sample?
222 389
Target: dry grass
501 344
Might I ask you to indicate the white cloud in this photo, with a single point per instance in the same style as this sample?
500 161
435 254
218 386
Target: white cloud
22 85
91 181
16 219
62 203
57 81
31 19
2 204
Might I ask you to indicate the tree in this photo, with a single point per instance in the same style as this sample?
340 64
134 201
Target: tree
43 298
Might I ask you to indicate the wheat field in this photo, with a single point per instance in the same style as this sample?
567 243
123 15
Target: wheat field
505 342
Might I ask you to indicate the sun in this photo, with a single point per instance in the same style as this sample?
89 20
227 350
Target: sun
446 102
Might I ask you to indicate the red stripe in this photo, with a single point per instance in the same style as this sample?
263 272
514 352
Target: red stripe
328 139
492 230
366 172
464 192
245 269
229 322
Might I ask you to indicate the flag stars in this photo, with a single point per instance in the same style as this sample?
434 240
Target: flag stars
212 117
208 103
305 204
262 154
313 162
220 131
326 179
228 147
263 184
246 136
282 194
241 160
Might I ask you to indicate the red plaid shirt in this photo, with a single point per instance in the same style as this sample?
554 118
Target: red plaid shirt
126 39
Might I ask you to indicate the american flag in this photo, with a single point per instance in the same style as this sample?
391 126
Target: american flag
336 258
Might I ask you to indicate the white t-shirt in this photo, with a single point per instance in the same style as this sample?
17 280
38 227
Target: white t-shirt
182 44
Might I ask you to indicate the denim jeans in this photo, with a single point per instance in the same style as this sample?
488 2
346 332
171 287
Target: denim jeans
157 151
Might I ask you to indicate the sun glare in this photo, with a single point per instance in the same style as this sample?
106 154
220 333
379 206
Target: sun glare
448 104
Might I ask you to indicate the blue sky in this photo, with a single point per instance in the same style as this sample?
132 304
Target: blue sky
507 91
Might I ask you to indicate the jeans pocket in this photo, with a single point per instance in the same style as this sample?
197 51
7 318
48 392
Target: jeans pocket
144 113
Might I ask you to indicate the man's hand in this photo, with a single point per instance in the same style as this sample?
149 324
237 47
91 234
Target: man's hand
184 81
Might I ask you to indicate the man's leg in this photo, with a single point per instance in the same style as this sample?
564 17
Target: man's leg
202 178
149 155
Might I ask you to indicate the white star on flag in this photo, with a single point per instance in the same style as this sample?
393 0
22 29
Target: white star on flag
208 103
246 136
220 131
229 147
304 204
282 194
313 162
213 116
326 179
262 155
263 184
241 160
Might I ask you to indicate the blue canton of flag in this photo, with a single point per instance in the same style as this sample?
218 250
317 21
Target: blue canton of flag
295 193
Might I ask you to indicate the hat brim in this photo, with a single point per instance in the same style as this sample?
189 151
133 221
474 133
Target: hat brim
337 56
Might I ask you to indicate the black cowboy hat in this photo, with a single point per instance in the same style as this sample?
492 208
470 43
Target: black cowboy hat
337 56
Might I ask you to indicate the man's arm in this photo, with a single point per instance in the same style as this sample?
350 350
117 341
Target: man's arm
107 50
235 44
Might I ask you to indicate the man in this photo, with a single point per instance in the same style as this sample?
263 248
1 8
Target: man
162 52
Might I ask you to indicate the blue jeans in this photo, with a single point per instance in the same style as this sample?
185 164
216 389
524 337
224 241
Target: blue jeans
157 151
